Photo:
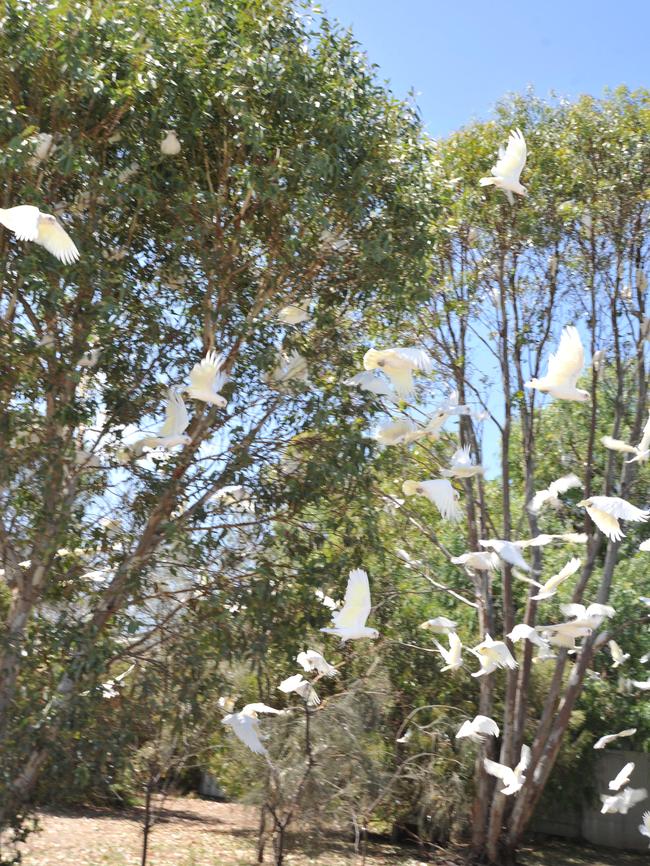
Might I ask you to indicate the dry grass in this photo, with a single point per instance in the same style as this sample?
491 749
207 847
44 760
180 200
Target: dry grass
202 833
188 833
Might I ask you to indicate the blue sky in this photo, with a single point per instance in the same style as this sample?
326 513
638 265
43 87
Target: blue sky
461 57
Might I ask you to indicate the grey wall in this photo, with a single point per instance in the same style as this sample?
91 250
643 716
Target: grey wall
585 821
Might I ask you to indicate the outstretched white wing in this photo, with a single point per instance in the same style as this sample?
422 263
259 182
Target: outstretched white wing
22 221
524 759
249 709
245 729
207 375
176 417
644 444
499 770
620 508
607 524
622 777
444 497
617 445
56 240
512 160
566 482
553 582
565 365
419 358
485 725
356 605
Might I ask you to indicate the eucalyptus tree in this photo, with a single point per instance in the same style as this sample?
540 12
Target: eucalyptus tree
506 279
299 180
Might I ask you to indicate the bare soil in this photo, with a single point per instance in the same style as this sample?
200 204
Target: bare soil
194 832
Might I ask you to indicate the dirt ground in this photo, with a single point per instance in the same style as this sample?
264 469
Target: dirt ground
193 832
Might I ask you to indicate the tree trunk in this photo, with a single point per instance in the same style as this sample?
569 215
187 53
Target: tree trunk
146 827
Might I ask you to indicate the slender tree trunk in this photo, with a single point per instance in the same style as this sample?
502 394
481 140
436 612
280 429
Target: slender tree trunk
146 827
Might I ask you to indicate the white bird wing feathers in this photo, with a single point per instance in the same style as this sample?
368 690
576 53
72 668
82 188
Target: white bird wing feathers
617 507
356 605
22 221
565 365
260 708
56 240
206 375
419 358
486 725
621 777
512 158
176 417
28 224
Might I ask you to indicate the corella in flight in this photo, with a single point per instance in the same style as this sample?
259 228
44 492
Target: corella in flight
509 166
349 623
29 224
399 365
478 729
302 687
440 492
207 379
513 780
477 560
551 495
564 369
245 725
549 589
440 625
606 511
453 656
462 465
609 738
293 314
508 551
622 778
618 656
492 654
310 660
172 432
641 451
623 802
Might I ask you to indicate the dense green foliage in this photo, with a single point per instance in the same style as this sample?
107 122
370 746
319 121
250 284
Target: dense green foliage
300 180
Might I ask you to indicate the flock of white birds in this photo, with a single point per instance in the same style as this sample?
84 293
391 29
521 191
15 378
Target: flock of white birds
399 366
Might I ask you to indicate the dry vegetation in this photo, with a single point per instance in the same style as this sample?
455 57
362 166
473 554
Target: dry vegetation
202 833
